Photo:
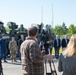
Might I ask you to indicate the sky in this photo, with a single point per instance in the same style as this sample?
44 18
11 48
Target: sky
29 12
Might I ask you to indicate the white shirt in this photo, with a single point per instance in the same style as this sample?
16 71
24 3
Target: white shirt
57 42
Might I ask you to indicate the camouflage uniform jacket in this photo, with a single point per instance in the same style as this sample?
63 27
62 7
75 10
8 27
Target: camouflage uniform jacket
12 46
31 57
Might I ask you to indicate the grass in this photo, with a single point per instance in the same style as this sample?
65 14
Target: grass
53 51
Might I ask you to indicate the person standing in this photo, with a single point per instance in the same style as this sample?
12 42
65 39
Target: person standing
57 44
2 52
3 46
13 49
67 60
65 41
32 59
51 45
20 41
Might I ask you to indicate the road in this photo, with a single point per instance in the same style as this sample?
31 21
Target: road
15 68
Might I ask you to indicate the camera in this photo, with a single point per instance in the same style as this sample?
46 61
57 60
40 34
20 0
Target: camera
44 36
45 41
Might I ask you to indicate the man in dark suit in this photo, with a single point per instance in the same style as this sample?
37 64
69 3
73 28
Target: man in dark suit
65 41
19 44
57 44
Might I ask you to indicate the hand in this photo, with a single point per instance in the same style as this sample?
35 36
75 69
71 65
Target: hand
63 49
49 57
50 46
42 43
43 52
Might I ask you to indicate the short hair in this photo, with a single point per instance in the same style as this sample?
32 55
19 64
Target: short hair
32 31
3 35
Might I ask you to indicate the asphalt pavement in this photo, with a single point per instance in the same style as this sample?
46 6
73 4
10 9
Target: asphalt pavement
15 68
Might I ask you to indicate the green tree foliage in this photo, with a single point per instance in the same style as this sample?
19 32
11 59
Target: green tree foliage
72 30
12 25
65 29
7 29
60 30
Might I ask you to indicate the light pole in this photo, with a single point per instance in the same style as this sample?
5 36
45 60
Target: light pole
52 16
41 14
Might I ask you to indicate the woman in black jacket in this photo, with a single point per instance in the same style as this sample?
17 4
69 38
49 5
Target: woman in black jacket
67 60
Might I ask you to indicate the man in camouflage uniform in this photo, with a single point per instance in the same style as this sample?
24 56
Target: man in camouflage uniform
13 49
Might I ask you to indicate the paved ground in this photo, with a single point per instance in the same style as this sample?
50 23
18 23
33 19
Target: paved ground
12 68
16 69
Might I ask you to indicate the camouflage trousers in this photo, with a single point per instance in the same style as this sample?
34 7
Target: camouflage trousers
13 55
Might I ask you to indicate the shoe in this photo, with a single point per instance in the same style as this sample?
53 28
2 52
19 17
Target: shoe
11 60
20 59
5 61
15 61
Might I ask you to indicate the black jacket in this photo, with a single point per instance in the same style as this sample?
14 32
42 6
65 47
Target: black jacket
55 43
19 43
67 64
64 43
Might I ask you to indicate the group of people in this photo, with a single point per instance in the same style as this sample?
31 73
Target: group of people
33 59
58 43
14 48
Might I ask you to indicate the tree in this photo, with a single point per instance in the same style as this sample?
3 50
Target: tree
7 29
72 30
12 25
58 30
65 29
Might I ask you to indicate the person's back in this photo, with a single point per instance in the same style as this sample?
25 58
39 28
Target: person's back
67 60
32 65
69 65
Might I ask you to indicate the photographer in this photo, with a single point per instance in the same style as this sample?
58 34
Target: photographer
46 42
